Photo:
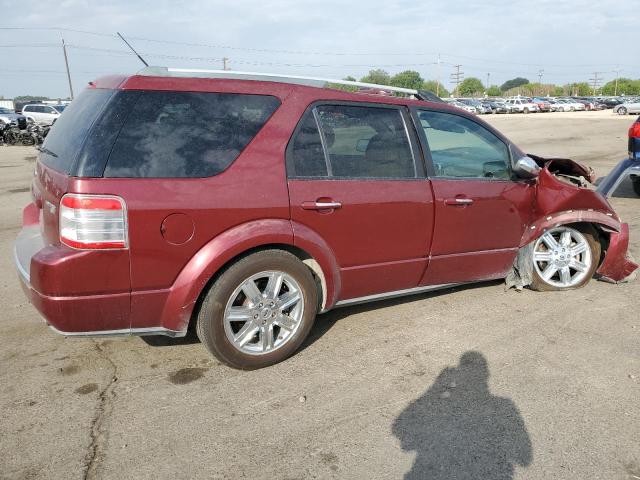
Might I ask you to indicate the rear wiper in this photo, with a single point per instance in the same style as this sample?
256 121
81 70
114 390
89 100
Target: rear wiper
47 151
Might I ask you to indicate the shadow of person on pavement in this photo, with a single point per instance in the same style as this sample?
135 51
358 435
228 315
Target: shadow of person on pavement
459 430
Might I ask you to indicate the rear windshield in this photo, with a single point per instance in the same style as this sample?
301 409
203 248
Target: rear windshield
186 134
67 135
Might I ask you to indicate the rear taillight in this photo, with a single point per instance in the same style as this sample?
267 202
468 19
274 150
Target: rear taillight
634 131
93 221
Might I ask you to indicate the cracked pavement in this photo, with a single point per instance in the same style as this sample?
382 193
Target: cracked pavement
365 396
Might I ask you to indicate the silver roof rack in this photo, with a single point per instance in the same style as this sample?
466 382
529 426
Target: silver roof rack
274 77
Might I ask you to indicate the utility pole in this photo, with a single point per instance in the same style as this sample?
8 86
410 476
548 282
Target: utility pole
488 77
66 64
615 92
224 63
540 74
456 78
596 81
438 77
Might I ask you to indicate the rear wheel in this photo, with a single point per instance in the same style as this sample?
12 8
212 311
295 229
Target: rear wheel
526 110
259 311
565 258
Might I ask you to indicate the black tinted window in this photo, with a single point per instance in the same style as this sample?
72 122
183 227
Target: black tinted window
462 148
306 157
180 134
359 142
70 130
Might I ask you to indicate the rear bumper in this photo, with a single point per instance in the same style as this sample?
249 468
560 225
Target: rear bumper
72 315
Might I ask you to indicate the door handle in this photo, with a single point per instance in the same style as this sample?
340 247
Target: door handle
327 205
458 201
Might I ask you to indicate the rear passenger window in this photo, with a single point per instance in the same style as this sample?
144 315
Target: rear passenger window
340 141
184 134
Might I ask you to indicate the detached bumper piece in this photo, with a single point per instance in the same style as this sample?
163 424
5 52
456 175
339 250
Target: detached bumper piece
626 168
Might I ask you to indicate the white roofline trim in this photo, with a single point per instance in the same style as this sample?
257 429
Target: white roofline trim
272 77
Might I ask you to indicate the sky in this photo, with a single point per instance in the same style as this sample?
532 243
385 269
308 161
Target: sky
567 40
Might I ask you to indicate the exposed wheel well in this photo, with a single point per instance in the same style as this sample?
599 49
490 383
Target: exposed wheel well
304 257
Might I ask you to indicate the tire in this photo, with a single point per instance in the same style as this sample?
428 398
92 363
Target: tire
635 182
621 111
589 258
526 110
259 269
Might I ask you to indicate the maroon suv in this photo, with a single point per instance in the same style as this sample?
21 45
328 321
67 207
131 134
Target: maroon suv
245 207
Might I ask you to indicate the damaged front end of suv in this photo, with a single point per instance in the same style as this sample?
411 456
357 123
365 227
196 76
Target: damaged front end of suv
565 196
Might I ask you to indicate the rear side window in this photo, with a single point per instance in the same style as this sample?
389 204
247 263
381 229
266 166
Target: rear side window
184 134
70 130
343 141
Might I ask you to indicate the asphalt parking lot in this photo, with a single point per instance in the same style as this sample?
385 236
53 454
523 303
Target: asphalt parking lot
474 382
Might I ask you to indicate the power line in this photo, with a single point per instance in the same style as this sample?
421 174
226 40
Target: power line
306 52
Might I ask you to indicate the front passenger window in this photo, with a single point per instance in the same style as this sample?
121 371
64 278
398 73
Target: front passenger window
461 148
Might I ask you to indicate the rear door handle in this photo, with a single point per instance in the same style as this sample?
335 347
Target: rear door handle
458 201
327 205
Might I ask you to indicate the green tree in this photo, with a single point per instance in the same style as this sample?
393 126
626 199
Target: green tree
29 98
435 87
557 91
513 83
345 88
625 86
578 88
470 86
379 76
407 79
494 91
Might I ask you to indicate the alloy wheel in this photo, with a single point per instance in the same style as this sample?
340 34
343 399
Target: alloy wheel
562 257
264 312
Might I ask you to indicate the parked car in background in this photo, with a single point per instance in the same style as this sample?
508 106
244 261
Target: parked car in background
8 116
497 106
611 102
476 104
627 108
462 106
542 103
522 105
43 114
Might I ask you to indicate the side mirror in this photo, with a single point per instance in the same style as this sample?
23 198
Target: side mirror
526 167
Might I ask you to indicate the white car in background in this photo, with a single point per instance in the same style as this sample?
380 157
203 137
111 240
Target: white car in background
521 105
625 108
43 114
569 105
461 105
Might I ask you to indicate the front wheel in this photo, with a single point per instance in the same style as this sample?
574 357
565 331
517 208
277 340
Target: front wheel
259 311
565 258
622 111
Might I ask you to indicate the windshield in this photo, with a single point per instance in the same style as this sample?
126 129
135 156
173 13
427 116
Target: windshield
59 108
5 110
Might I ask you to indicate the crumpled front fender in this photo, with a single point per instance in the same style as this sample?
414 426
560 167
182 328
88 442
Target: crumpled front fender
616 265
